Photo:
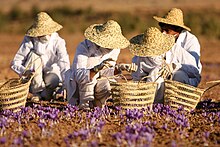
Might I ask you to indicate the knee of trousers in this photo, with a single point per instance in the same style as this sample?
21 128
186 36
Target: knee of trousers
181 76
86 91
102 89
51 80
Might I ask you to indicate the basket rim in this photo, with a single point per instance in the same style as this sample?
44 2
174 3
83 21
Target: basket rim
180 83
2 87
13 96
132 82
172 94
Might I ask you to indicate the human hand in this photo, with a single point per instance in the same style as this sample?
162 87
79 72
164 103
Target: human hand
28 74
176 66
127 67
157 59
104 63
60 93
166 71
169 69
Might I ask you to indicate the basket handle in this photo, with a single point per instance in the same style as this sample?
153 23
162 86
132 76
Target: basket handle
214 83
112 77
164 67
123 76
21 79
29 64
26 68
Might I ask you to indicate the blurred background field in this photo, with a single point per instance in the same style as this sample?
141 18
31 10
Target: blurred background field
202 16
134 16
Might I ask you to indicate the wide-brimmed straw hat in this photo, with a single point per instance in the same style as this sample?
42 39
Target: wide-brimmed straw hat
151 43
43 25
107 35
174 17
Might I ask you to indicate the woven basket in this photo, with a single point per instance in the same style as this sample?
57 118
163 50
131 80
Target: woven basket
131 94
13 93
178 94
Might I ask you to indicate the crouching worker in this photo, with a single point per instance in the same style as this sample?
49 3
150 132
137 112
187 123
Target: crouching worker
173 24
42 54
159 57
95 58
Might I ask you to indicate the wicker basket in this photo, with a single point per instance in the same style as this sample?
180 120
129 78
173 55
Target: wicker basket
131 94
178 94
13 94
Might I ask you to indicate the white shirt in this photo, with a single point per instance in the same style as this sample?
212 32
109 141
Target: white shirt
177 55
86 57
53 54
190 43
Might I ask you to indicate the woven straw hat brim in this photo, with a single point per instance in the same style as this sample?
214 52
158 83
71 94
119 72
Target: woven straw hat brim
106 40
41 30
149 49
166 21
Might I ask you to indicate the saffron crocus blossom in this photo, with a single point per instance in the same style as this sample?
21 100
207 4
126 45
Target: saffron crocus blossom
3 140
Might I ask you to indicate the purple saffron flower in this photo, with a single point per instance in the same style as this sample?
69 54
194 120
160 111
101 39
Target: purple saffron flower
3 140
75 134
83 134
118 137
118 108
25 134
66 140
154 123
173 143
94 144
100 125
3 122
164 127
70 136
156 110
18 141
41 125
180 108
53 116
206 134
149 137
92 121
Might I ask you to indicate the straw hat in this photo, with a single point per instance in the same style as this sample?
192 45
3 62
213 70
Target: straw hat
43 25
151 43
107 35
174 17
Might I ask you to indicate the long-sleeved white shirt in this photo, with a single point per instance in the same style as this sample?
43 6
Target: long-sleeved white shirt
185 52
177 55
190 43
53 53
86 57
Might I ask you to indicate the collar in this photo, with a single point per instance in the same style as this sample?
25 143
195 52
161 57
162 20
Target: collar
181 37
88 43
